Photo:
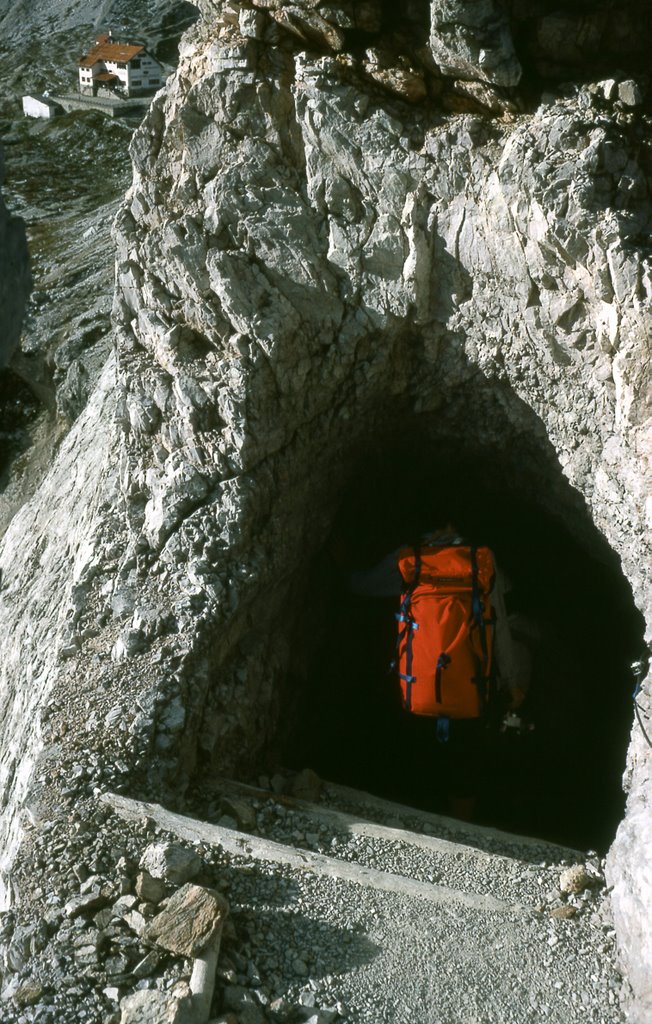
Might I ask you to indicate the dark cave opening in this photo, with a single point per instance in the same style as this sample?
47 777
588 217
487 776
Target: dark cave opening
19 407
560 779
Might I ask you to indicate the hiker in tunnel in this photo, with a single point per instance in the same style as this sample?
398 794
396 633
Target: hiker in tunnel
551 767
463 663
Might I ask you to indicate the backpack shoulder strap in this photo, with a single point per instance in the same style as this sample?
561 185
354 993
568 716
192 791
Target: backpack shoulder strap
404 616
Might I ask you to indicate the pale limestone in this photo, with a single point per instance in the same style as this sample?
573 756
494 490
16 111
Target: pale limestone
293 258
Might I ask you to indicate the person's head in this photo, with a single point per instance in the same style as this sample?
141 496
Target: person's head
443 530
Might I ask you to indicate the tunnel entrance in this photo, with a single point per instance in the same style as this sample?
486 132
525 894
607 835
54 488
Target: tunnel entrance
559 779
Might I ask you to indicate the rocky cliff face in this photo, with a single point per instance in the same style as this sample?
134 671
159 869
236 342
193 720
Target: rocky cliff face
329 246
52 183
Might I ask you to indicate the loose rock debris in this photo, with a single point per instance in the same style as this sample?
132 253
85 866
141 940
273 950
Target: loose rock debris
306 944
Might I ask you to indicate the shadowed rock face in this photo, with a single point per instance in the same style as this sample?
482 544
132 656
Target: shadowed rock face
474 40
15 279
308 268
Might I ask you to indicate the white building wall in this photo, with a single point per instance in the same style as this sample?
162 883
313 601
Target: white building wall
142 76
114 68
33 107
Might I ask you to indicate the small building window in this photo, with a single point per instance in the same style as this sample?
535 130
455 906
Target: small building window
135 63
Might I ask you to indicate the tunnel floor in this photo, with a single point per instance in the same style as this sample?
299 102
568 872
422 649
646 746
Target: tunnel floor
562 778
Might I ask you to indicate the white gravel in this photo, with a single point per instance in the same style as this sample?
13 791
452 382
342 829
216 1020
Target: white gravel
385 958
380 957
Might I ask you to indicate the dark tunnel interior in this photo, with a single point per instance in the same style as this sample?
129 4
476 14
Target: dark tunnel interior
560 777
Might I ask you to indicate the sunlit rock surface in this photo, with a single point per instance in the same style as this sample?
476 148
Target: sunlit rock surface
305 262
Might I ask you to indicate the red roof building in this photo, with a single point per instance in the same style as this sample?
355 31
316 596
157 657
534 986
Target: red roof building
125 68
112 52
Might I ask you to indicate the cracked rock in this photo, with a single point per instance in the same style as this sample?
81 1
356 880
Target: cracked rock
189 921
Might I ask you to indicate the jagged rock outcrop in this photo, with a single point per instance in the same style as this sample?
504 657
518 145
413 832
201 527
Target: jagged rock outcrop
305 263
68 210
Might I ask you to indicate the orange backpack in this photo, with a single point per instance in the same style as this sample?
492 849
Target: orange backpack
445 630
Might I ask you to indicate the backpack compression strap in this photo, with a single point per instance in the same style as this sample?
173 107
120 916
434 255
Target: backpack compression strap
409 626
443 661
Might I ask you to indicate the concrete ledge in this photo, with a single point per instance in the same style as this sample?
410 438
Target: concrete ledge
239 844
114 108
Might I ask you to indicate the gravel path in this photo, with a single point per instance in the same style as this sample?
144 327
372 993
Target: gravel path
327 949
378 957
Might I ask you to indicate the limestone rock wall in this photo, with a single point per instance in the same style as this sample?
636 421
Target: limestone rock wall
306 258
320 253
51 545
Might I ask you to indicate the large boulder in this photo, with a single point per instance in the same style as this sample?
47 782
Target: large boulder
472 39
